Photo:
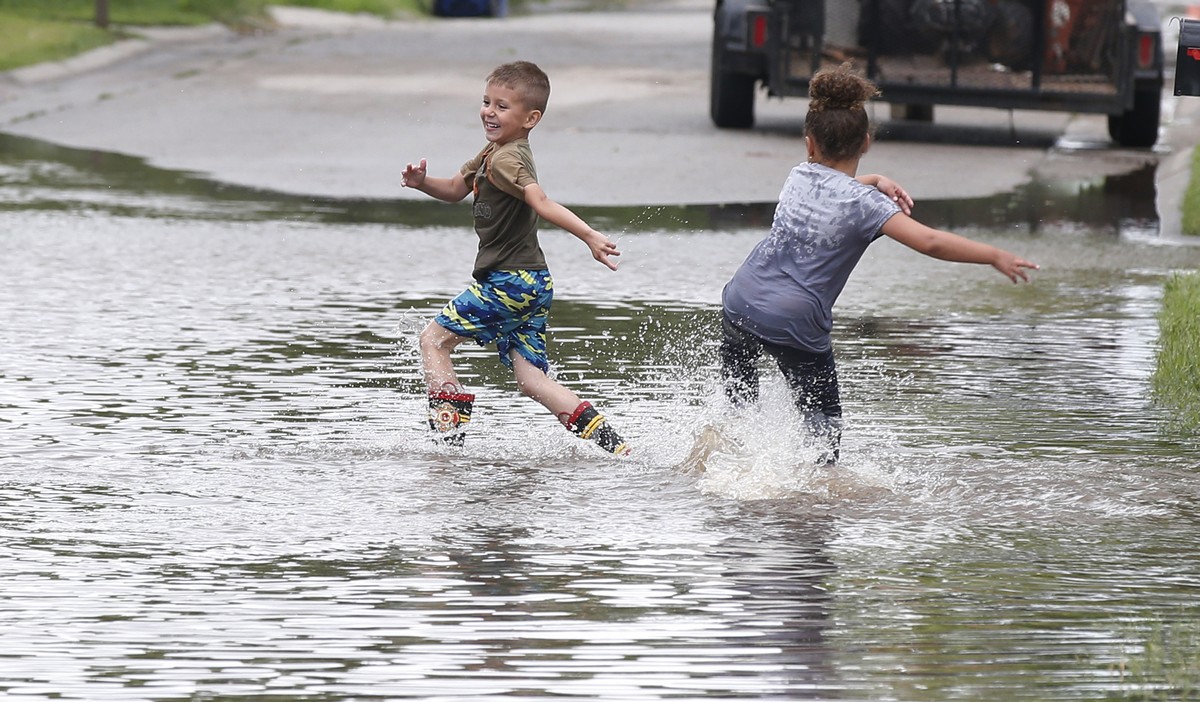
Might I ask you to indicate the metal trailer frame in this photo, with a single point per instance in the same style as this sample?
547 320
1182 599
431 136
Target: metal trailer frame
780 44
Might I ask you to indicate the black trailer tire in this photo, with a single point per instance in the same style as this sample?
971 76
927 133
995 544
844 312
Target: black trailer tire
1137 127
731 95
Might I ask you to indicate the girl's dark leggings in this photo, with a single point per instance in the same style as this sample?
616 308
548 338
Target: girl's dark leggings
812 378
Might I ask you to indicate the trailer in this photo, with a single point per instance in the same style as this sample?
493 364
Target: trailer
1089 56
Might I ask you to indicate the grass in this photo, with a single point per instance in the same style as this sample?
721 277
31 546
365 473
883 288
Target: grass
35 31
1176 379
1165 665
28 41
135 12
1191 198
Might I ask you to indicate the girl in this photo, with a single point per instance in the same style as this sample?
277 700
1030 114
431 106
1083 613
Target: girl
781 298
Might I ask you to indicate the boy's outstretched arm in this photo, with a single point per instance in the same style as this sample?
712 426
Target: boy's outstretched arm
952 247
447 189
601 246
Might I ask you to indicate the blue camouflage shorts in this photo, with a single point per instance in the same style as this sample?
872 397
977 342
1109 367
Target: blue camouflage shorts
509 308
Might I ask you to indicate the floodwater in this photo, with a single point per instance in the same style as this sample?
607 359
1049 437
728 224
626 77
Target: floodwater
215 483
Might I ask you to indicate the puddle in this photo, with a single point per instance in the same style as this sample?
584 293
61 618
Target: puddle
60 178
218 482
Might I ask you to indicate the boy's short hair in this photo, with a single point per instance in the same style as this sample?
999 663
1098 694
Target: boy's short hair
527 79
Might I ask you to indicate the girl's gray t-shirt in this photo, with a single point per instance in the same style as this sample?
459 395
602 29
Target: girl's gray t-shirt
785 290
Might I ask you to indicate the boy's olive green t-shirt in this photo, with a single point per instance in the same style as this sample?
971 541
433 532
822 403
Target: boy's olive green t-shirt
506 225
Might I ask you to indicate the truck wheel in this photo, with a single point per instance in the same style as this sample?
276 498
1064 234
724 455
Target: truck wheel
731 95
1137 127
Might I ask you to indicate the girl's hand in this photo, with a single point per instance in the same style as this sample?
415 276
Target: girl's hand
1013 266
899 195
414 176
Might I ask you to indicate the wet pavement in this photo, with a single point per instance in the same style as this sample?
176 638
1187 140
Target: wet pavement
219 485
334 106
218 482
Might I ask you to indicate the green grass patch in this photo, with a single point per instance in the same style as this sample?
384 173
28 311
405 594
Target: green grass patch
136 12
192 12
1176 378
28 41
1164 664
35 31
1191 198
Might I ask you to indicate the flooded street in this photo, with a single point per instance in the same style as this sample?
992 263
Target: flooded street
217 484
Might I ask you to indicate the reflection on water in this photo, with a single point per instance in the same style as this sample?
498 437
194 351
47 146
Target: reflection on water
40 176
216 485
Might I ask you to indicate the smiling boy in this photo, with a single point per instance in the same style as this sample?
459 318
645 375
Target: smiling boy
509 302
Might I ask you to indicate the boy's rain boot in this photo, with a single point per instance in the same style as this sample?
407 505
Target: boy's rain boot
586 423
449 413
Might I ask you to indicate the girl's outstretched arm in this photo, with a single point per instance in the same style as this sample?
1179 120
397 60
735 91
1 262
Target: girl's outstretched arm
889 187
952 247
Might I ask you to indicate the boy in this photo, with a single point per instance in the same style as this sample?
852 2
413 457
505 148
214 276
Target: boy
510 299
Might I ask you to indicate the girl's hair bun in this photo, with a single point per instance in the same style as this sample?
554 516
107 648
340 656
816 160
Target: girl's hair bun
839 89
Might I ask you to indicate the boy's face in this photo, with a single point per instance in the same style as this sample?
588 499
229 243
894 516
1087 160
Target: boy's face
504 115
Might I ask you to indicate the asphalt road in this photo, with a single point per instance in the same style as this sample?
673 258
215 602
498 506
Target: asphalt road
335 105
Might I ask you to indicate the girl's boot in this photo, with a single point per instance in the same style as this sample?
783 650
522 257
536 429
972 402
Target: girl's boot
826 432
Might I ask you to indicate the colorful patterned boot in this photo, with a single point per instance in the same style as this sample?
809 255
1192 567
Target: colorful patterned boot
587 423
449 413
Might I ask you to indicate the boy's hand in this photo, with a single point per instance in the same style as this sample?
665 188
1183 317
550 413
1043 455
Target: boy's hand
414 176
602 247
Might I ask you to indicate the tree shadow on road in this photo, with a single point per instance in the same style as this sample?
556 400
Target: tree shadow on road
964 134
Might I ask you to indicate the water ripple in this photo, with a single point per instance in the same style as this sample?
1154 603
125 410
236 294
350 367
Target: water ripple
217 485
